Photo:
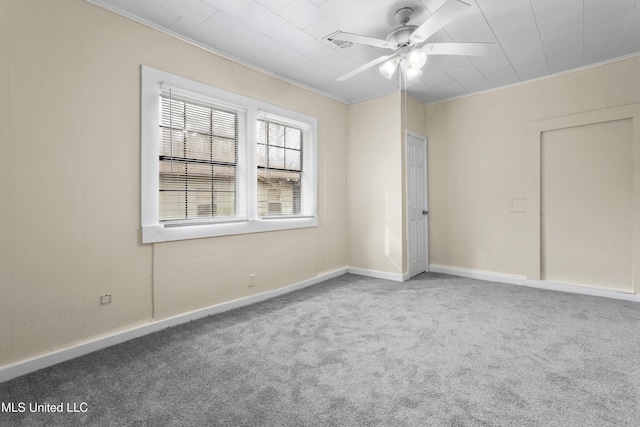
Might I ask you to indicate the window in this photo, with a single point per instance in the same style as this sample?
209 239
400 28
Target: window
198 158
280 168
216 163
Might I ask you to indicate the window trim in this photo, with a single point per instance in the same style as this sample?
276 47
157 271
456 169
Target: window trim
155 231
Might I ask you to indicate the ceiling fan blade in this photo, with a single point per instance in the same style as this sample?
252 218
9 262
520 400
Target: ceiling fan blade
441 17
357 38
364 67
466 49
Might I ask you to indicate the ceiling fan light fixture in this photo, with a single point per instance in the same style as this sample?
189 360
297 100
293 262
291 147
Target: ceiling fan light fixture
412 73
389 67
417 59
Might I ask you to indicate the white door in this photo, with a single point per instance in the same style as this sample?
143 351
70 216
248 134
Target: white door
417 204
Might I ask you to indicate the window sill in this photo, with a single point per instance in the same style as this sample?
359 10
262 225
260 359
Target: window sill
159 233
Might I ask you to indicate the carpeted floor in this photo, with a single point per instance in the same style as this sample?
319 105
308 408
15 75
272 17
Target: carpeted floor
355 351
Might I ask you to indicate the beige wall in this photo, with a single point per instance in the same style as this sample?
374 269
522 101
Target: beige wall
70 183
5 189
413 116
374 184
376 181
479 161
73 206
586 195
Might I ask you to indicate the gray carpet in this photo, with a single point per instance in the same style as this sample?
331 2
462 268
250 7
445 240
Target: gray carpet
355 351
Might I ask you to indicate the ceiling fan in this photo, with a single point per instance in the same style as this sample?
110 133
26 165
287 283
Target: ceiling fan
410 54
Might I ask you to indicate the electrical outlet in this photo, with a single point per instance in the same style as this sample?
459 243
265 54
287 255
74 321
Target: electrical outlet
252 280
105 299
436 255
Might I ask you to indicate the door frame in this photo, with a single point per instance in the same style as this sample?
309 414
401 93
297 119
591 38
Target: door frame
535 130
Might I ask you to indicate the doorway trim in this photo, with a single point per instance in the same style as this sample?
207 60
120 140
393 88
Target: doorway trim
425 179
533 181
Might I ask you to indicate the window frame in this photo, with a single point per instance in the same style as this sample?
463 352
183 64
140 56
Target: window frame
153 230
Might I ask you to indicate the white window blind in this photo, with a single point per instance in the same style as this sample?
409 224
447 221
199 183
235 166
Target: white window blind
283 189
201 159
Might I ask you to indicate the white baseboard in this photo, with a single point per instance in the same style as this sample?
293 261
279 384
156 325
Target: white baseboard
377 274
8 372
24 367
540 284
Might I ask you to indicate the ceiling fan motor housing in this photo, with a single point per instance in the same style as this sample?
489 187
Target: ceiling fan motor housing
400 36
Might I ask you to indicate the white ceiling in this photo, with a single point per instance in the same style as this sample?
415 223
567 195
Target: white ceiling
533 38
